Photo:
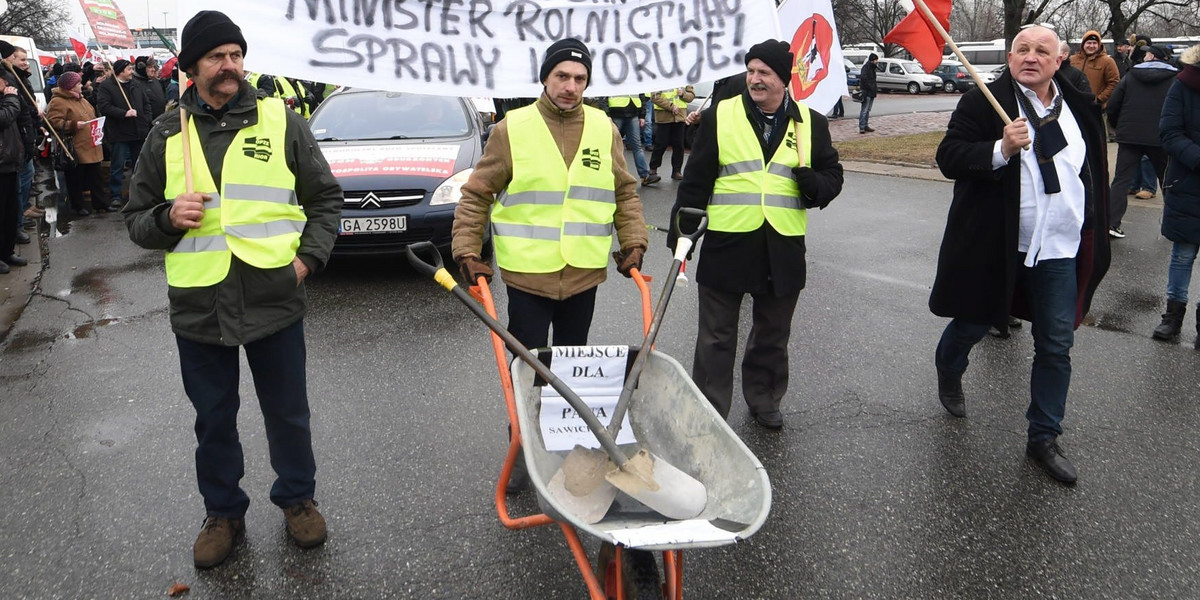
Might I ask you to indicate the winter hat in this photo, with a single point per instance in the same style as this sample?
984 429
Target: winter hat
566 49
873 57
1138 39
778 56
6 49
1091 35
69 80
119 66
140 63
1159 52
205 31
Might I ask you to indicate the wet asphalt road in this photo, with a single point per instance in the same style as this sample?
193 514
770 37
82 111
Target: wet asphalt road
877 492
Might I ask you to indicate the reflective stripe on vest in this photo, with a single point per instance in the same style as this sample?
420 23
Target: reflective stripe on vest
673 96
622 101
747 191
256 216
550 215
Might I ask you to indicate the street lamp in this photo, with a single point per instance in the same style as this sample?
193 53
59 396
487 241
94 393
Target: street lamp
165 19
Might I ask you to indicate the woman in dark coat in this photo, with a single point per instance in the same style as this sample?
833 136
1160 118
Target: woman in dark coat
1179 130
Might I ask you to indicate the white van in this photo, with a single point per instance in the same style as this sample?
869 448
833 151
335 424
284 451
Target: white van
905 75
35 68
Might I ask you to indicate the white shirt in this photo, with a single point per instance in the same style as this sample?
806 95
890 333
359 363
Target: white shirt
1050 223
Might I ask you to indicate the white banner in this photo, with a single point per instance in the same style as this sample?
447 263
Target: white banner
819 77
494 48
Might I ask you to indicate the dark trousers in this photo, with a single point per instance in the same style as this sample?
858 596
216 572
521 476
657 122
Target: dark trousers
124 154
668 134
530 317
765 363
85 177
1051 292
1129 160
10 208
210 378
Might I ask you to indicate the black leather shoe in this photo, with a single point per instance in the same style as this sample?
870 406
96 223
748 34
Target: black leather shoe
770 420
951 394
4 268
23 238
518 481
16 261
83 212
1050 458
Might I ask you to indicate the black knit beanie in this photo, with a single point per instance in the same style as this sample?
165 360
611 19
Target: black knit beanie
205 31
6 49
778 56
566 49
119 66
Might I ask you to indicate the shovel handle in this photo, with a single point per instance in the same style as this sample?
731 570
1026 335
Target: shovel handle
417 254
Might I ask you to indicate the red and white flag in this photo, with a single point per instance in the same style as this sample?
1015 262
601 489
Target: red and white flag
108 23
818 77
78 42
917 35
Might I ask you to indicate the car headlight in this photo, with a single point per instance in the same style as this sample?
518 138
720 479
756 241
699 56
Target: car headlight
450 191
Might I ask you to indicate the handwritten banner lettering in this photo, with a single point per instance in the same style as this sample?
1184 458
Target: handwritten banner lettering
494 48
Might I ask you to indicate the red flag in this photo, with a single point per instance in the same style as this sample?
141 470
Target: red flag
919 37
107 23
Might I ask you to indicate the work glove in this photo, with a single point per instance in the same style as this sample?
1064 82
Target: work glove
628 260
471 269
807 179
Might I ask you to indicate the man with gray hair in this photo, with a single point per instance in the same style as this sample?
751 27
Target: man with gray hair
1025 235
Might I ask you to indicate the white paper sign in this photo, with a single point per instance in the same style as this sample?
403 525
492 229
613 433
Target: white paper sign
596 374
678 532
494 48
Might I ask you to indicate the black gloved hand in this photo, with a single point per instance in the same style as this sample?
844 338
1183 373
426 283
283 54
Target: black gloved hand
628 260
471 268
806 178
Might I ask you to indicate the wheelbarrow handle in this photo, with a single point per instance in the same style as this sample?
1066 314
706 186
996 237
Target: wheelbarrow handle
701 218
416 254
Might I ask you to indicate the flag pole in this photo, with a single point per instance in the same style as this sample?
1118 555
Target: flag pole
188 186
105 57
970 68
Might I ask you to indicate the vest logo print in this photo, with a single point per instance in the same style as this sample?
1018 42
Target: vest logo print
257 148
790 140
591 158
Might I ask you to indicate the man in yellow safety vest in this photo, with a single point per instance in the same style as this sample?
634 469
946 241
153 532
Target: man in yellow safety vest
759 161
553 220
262 216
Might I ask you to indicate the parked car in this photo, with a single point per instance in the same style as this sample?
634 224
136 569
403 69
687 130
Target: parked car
905 75
401 160
852 73
955 77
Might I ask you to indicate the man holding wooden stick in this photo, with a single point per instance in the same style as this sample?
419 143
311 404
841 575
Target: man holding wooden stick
1025 235
128 114
246 207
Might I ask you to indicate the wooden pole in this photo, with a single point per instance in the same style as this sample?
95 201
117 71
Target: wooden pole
183 131
970 68
45 119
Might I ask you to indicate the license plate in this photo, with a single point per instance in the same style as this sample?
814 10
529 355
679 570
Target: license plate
357 225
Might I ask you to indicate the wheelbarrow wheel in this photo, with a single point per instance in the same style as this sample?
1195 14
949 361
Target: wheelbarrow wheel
639 573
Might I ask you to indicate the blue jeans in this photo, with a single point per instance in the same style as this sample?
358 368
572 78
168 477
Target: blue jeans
210 378
864 112
1050 290
25 184
1144 178
648 130
631 132
123 154
1179 274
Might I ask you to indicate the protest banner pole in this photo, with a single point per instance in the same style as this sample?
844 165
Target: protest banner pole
41 114
105 57
970 68
183 132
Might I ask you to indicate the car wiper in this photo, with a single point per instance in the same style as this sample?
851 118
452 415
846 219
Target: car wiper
329 139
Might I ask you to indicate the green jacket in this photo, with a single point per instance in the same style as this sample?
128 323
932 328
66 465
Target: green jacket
251 303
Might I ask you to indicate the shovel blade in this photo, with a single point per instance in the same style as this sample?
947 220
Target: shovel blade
589 508
660 486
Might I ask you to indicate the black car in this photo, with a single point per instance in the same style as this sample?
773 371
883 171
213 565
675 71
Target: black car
401 160
955 78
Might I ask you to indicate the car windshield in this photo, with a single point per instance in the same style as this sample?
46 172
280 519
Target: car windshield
389 116
912 68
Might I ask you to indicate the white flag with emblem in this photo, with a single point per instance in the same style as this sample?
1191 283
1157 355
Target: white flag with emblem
818 77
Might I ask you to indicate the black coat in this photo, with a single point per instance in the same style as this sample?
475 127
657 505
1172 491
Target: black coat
1075 77
154 92
1179 130
110 103
12 147
28 120
978 262
761 261
866 79
1136 103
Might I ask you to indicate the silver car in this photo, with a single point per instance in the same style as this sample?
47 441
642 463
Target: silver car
905 75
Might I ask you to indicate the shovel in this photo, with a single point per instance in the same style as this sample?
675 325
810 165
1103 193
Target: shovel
645 477
581 482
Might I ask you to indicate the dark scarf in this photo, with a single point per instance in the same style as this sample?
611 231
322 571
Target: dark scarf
770 123
1048 136
1190 76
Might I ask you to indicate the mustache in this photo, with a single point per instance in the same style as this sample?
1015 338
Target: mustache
758 87
225 76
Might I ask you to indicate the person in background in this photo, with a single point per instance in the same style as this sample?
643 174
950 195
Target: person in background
31 131
1133 111
867 84
238 251
69 113
12 160
1179 132
1024 232
670 112
145 72
1074 76
1124 48
626 112
127 111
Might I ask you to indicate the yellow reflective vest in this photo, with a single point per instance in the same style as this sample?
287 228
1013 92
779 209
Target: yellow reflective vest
284 90
622 101
254 216
749 189
673 96
551 216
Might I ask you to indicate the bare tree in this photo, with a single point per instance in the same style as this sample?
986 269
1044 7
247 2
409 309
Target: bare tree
1124 13
976 20
39 19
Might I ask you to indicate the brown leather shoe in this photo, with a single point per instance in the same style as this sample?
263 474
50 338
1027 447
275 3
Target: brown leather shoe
676 175
305 524
216 540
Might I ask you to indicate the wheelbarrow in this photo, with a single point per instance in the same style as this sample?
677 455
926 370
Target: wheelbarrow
669 418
